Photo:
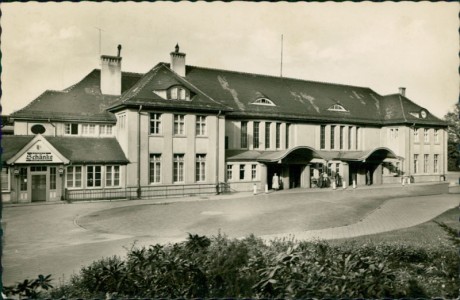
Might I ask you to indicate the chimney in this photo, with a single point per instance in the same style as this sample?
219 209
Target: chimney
402 91
111 74
178 61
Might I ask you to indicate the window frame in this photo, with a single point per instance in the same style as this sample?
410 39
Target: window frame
332 137
155 168
244 135
436 163
179 124
155 123
242 172
322 137
229 172
255 137
93 179
278 135
416 167
74 180
254 171
110 180
69 129
200 167
267 135
6 174
178 168
200 125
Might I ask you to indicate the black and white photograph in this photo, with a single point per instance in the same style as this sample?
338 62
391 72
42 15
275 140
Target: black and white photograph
230 150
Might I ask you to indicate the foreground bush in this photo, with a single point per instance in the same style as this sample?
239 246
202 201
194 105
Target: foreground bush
223 267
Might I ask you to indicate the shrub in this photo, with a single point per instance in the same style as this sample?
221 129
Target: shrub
248 268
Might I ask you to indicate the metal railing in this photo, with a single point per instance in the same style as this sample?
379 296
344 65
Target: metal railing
147 192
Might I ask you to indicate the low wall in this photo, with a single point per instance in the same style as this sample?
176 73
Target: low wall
454 189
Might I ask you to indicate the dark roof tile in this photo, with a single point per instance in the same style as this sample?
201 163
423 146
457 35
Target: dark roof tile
76 149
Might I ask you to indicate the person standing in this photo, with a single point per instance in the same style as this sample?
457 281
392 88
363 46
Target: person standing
275 182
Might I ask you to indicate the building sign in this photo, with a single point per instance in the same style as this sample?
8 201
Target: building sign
39 156
39 152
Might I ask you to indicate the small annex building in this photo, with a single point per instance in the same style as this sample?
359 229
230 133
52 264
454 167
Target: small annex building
183 126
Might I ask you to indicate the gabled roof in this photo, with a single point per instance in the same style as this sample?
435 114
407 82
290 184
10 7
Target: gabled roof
161 78
80 102
76 149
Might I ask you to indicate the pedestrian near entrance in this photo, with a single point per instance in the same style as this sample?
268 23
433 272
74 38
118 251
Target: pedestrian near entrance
275 182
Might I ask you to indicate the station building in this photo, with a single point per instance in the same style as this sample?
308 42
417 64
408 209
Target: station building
186 125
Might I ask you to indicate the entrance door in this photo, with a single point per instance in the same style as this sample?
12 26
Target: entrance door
295 172
38 188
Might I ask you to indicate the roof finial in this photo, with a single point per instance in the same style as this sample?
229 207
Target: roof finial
119 50
177 48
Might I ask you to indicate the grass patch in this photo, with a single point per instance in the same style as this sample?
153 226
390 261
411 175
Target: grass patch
427 234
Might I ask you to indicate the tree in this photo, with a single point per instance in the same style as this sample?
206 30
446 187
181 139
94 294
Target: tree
453 121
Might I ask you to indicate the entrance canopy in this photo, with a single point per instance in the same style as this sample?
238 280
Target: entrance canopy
304 154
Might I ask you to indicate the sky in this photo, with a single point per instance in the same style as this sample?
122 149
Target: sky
383 46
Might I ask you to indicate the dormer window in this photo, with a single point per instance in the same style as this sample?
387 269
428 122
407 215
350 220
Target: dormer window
178 93
337 107
264 101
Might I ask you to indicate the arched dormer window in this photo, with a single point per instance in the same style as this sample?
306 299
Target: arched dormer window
337 107
178 93
264 101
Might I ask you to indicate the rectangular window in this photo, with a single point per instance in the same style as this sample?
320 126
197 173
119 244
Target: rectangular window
112 175
200 125
357 138
93 176
229 172
155 123
38 169
425 163
349 137
436 136
337 168
435 163
155 168
200 169
256 135
426 135
5 180
267 134
333 137
278 135
105 129
88 129
415 163
242 167
322 137
416 137
179 124
288 128
71 128
178 175
74 177
253 172
244 134
52 178
23 179
341 137
121 121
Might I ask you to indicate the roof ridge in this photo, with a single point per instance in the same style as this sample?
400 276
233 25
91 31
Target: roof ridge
276 77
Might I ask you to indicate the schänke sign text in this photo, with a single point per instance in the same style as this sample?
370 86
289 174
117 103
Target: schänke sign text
39 156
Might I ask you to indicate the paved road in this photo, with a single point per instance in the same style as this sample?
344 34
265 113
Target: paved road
60 238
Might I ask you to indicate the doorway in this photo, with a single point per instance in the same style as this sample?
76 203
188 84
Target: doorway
38 188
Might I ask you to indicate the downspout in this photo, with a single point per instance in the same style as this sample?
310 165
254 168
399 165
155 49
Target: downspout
54 126
139 152
217 153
